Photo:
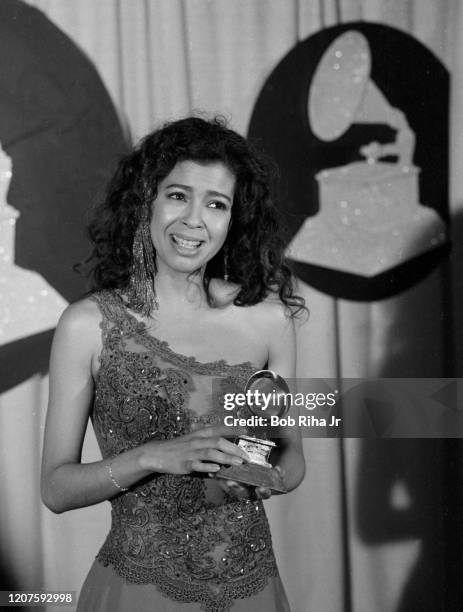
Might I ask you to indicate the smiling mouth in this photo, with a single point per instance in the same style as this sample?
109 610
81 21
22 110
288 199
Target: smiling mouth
187 244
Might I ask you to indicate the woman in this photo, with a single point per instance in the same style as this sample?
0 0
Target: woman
190 205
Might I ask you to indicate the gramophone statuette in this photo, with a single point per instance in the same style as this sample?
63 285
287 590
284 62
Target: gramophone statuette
273 391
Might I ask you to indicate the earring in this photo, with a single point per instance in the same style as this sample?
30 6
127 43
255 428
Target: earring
141 293
226 275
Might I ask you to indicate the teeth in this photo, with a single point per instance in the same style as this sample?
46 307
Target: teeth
187 244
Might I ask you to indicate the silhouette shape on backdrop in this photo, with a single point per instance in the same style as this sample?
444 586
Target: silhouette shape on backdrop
60 128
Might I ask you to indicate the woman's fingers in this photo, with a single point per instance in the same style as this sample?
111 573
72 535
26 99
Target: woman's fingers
221 431
233 488
213 455
196 465
232 449
204 450
236 489
220 444
263 493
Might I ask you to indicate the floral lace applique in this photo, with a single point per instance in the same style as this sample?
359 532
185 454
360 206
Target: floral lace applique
182 533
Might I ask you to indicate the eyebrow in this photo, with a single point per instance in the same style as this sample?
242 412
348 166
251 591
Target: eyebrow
190 189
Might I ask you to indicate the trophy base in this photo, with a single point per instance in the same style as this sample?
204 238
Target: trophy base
253 474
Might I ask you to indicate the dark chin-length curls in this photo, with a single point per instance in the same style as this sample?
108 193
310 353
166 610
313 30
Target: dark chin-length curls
254 243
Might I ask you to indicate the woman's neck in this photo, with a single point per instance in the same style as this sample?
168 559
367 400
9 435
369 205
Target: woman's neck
180 291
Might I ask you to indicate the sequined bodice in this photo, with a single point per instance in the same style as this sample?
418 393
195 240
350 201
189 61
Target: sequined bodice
182 533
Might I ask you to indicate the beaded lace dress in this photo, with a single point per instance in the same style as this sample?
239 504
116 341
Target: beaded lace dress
182 533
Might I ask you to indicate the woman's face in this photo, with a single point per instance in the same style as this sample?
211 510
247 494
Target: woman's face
191 215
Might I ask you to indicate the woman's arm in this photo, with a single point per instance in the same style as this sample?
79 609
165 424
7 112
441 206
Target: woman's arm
68 484
65 483
282 359
277 330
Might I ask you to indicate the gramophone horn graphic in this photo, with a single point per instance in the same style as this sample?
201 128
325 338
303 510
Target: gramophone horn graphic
370 219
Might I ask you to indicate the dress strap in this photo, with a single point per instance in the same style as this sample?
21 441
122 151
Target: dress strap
108 304
113 311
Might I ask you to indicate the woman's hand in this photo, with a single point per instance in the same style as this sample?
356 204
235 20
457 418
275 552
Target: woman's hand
203 450
244 491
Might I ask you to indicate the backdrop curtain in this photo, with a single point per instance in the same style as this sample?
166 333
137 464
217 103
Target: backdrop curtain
161 59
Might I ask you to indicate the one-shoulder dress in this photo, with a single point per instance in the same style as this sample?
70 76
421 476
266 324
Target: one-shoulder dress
177 543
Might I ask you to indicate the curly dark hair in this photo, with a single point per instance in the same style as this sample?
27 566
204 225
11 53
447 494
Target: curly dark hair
254 242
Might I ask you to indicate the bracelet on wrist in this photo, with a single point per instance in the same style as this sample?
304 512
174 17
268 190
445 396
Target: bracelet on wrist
113 480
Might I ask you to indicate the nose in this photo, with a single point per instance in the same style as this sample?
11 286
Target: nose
193 215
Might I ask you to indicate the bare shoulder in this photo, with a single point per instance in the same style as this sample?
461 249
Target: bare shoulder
78 330
270 322
269 312
273 314
276 328
266 322
81 316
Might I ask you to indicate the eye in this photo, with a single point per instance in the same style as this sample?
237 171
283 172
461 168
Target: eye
177 195
218 204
